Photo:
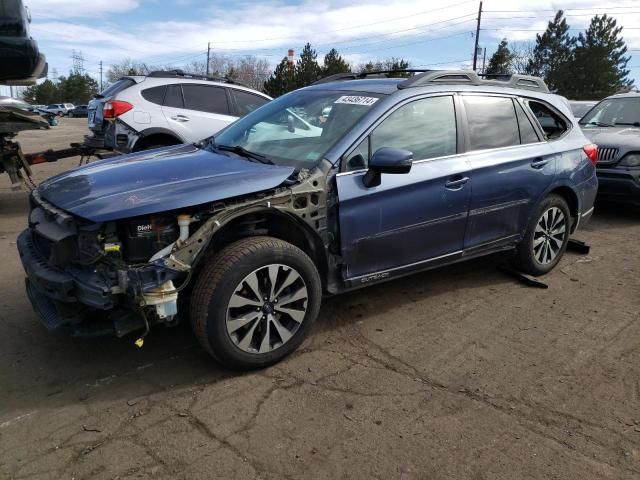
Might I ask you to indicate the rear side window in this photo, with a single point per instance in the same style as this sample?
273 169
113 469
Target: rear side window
492 122
205 99
154 95
173 98
247 102
553 125
117 87
527 132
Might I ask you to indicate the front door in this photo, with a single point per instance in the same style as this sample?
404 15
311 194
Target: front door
409 218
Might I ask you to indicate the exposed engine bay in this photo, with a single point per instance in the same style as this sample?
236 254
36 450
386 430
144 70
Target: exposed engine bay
122 276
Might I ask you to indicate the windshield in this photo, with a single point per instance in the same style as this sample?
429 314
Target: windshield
614 111
299 128
579 109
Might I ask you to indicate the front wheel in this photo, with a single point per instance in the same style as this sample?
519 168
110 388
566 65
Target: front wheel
254 302
546 238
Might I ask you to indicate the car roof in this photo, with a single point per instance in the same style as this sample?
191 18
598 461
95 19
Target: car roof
625 95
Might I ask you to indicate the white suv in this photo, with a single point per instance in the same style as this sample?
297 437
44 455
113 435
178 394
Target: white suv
59 108
166 108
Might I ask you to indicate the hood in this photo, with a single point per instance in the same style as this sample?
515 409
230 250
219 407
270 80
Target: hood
624 138
156 181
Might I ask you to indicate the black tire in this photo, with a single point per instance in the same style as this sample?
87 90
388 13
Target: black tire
528 259
70 114
224 274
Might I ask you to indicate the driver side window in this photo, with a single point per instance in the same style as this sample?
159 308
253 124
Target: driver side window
425 127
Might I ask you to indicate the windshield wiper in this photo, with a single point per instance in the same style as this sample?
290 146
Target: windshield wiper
633 124
244 152
599 124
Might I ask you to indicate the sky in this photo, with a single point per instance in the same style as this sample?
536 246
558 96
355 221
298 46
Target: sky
430 34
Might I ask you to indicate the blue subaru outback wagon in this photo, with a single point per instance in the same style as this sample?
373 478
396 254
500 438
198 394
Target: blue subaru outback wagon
354 180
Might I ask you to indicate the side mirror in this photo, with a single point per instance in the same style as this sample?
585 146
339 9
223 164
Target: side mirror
290 123
387 160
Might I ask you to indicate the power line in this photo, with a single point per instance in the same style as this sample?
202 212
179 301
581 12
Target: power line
357 26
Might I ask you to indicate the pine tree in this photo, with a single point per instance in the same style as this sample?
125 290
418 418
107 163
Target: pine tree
553 53
282 80
600 62
501 61
334 63
307 68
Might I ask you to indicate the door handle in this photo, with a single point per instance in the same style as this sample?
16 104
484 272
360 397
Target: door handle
539 162
456 183
180 118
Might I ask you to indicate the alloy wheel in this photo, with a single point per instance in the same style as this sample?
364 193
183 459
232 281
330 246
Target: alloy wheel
266 308
549 235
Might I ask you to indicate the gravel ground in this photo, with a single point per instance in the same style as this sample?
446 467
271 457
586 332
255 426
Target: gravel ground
456 373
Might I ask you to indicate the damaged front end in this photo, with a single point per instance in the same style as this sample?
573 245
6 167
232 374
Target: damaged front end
122 276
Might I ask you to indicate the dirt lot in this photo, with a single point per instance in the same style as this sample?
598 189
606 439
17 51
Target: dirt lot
456 373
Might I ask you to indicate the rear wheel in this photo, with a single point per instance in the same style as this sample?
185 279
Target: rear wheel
255 301
546 238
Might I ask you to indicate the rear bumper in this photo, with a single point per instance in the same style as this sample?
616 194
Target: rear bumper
619 184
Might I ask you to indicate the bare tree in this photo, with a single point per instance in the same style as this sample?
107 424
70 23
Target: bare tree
521 54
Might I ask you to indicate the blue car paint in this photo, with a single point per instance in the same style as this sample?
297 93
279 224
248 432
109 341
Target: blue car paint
414 220
409 219
157 181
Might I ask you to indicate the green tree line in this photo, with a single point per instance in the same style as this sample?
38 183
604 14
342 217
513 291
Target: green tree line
76 88
589 66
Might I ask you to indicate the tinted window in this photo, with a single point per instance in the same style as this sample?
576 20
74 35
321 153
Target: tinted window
117 87
173 98
247 102
154 95
492 122
425 127
205 99
527 132
358 159
551 123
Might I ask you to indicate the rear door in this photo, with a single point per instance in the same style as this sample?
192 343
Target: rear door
511 168
197 111
409 218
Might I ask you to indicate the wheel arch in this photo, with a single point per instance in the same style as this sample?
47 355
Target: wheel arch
156 136
573 201
277 224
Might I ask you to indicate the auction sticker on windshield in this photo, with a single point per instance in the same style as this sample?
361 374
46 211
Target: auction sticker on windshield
357 100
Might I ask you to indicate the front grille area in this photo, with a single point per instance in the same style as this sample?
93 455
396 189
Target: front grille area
43 245
607 155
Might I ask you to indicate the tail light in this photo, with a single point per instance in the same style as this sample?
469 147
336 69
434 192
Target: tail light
115 108
591 151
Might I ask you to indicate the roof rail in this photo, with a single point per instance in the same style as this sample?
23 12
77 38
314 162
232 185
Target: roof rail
357 76
468 77
177 73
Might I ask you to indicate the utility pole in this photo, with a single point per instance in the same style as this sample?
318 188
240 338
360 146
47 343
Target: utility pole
475 50
208 55
100 75
484 59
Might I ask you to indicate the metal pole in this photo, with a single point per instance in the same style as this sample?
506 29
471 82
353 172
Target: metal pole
208 54
484 60
475 50
100 75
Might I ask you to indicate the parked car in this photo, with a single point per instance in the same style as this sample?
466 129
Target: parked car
246 236
167 108
614 124
59 109
79 111
581 107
